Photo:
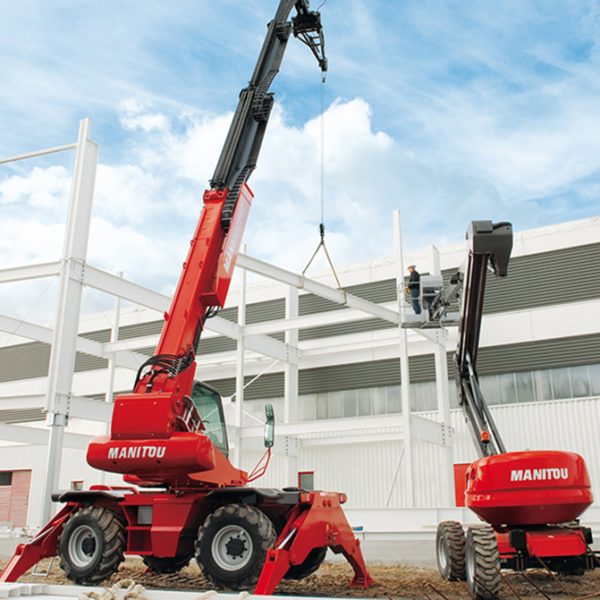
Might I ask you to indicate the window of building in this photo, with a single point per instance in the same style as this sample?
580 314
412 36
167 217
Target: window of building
349 400
544 385
394 399
504 388
580 382
508 390
561 383
594 373
306 480
322 406
6 478
525 387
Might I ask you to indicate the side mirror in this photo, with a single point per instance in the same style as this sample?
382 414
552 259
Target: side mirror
269 426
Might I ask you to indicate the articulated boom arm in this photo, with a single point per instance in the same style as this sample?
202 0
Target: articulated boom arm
160 407
490 247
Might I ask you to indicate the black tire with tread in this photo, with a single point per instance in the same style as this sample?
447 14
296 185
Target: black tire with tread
310 564
451 535
482 562
166 565
258 526
109 532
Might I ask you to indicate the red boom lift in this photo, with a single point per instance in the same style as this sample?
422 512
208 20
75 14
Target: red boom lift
169 432
529 500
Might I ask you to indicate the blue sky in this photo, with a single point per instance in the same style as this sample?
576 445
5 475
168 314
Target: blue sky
449 111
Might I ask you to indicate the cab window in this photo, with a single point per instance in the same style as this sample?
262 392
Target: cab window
208 404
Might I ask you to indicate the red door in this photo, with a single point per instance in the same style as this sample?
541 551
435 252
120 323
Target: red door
14 497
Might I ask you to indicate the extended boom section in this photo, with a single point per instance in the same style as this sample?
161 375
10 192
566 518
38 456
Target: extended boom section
490 246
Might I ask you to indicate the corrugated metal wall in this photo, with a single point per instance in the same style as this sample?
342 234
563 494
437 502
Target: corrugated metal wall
528 356
369 472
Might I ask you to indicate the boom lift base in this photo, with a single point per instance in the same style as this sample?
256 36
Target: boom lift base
528 500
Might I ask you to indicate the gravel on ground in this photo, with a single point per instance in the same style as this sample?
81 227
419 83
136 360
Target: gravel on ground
391 581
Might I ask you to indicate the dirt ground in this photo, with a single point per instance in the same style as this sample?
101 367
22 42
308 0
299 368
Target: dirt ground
391 581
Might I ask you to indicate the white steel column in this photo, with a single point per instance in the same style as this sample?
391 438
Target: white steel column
62 355
404 370
114 337
239 371
443 397
290 394
110 380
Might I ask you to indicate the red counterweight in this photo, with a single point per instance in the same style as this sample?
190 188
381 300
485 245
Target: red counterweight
529 488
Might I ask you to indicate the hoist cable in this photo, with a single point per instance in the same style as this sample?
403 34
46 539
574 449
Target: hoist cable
321 243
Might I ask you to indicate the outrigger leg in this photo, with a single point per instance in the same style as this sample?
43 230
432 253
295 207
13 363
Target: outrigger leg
43 545
317 521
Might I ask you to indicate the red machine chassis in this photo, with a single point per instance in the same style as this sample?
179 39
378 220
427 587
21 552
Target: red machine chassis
303 521
562 549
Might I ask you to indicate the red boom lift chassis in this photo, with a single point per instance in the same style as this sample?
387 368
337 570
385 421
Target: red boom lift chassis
169 433
529 500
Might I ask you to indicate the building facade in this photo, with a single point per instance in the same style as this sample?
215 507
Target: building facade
539 367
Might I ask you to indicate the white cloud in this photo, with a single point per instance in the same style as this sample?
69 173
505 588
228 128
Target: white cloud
41 188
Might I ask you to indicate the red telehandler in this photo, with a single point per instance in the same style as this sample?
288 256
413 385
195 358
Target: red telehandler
168 436
530 500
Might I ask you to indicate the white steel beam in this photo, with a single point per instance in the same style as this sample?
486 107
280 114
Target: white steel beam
430 431
91 410
388 427
367 438
140 295
332 317
144 341
36 153
127 290
33 435
22 402
331 427
125 359
79 407
319 289
30 272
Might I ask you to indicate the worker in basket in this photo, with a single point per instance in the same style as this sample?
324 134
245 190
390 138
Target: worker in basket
412 288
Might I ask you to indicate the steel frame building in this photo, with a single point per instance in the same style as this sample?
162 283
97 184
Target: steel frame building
332 361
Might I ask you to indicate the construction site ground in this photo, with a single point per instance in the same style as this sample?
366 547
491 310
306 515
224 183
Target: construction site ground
397 579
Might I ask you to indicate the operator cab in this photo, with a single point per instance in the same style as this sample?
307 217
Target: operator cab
209 405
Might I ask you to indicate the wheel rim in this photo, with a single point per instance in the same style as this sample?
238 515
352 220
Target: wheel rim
84 546
470 564
442 554
232 548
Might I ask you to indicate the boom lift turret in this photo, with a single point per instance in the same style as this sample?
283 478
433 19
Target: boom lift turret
169 432
529 500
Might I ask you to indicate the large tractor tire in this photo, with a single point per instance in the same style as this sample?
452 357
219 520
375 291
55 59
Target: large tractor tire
166 565
91 545
482 562
232 545
311 564
450 550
